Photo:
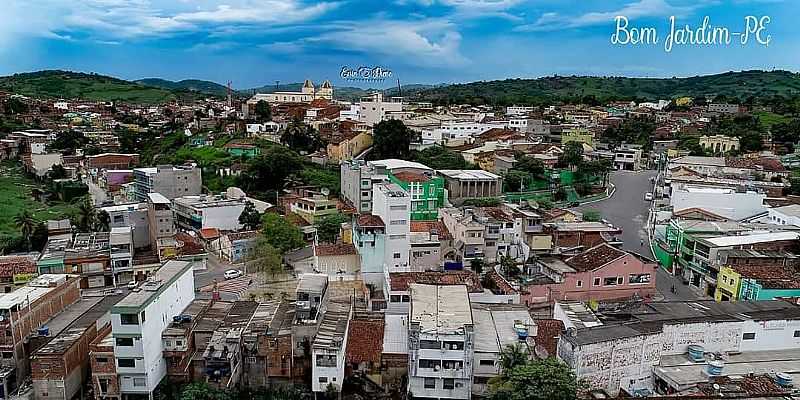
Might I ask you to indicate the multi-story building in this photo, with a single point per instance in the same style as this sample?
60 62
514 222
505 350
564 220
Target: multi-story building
628 158
357 178
133 215
519 110
469 184
392 205
89 255
170 181
103 366
121 246
723 108
314 207
193 213
468 234
307 94
160 221
374 108
369 237
329 348
441 342
668 348
426 190
22 313
137 323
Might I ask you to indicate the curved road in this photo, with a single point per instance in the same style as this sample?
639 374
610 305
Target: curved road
628 210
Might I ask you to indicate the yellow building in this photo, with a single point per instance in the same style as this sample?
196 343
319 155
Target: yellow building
577 135
350 145
728 283
719 144
683 101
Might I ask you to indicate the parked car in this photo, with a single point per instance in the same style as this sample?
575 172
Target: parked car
233 274
648 196
132 285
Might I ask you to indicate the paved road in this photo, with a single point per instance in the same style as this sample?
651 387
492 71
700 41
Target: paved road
627 208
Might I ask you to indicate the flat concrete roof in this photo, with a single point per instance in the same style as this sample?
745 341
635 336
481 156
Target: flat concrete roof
440 309
147 291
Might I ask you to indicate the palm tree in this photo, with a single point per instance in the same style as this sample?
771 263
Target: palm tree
26 224
86 215
513 356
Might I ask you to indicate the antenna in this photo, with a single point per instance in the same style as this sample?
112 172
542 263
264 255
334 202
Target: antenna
277 83
399 88
230 94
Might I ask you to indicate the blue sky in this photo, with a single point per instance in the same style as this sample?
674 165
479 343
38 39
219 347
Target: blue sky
255 42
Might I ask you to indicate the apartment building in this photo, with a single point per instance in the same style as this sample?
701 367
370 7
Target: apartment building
441 341
357 178
426 190
193 213
161 222
138 321
369 237
170 181
669 348
392 205
133 215
374 108
23 312
329 348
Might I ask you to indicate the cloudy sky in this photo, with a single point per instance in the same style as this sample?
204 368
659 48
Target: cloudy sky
255 42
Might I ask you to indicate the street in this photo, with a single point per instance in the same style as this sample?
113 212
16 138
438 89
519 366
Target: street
628 210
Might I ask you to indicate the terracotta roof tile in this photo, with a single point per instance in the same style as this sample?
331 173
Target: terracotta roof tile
597 256
411 177
12 265
371 221
400 281
430 226
209 233
242 235
365 341
336 249
546 339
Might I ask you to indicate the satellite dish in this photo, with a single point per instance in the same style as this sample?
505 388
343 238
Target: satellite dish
2 318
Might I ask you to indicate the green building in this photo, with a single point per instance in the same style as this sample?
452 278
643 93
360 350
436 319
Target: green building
241 149
426 190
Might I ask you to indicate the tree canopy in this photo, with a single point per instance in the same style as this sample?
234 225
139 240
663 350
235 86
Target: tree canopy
547 379
438 157
263 111
280 233
328 227
391 139
250 218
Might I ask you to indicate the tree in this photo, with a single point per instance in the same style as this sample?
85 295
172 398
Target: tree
532 166
512 357
57 172
102 221
509 266
263 111
271 170
547 379
573 155
477 265
26 224
515 181
438 157
328 227
250 218
263 258
301 137
203 391
391 139
86 215
280 233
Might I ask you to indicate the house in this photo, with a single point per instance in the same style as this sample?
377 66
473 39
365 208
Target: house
568 236
786 215
364 346
428 193
16 270
756 282
329 348
235 246
340 261
731 203
347 145
600 273
431 245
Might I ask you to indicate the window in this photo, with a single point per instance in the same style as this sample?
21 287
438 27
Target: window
620 280
429 364
451 364
636 279
430 344
129 319
406 298
610 281
323 379
326 361
796 333
101 360
398 222
126 341
126 363
430 383
487 363
596 282
139 382
454 345
178 343
396 255
398 207
394 298
579 283
749 336
8 354
449 383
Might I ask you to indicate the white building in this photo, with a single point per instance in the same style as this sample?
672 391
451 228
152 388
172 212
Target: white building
393 205
138 320
519 110
495 329
727 202
374 109
455 130
786 215
329 349
650 352
441 341
204 211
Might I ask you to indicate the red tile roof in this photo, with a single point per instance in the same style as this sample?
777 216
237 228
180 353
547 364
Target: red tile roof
411 177
765 163
12 265
595 257
370 221
499 285
209 233
400 281
432 226
242 235
188 245
365 341
336 249
546 339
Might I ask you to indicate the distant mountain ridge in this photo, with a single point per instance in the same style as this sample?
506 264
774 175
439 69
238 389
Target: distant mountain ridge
195 85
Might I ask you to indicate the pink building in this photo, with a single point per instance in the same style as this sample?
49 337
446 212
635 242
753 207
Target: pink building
602 272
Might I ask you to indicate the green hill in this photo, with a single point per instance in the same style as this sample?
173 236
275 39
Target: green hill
192 85
348 93
77 85
739 85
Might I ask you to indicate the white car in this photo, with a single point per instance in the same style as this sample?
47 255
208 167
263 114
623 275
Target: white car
233 274
132 285
648 196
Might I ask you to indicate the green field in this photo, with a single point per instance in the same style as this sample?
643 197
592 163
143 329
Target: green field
769 119
15 196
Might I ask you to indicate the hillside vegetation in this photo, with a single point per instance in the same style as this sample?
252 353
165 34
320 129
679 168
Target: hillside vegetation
192 85
573 89
76 85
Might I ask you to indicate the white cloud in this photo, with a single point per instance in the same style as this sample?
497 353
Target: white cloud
472 8
125 19
429 42
552 21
